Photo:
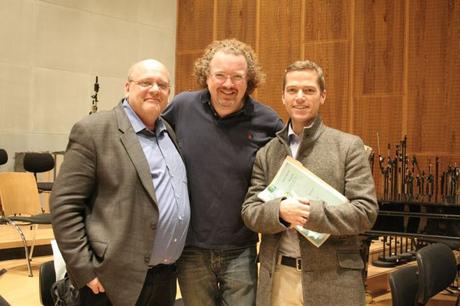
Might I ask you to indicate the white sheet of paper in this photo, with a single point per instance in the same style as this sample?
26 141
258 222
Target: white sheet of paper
294 180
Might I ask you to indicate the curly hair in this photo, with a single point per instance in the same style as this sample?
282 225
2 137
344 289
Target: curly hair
255 76
306 65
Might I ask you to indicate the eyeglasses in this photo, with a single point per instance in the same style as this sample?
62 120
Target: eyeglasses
147 84
235 79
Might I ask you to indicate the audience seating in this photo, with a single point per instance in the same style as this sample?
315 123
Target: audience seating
415 285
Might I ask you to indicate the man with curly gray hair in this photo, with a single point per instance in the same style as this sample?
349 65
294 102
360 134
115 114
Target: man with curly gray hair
220 128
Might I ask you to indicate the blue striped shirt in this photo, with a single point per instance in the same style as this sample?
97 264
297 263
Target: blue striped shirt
170 182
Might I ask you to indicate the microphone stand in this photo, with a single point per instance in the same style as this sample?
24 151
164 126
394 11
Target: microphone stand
94 98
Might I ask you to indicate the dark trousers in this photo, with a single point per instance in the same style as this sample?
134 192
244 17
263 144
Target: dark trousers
159 289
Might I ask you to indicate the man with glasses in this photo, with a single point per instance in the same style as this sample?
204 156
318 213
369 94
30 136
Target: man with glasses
219 129
292 270
120 204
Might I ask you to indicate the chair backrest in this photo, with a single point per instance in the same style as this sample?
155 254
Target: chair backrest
19 194
403 286
437 270
38 162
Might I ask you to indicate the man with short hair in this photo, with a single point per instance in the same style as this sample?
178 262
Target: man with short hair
292 270
120 204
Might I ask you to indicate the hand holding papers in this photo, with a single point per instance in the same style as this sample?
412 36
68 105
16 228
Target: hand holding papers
294 180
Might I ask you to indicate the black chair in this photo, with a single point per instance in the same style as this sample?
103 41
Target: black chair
3 156
37 163
403 286
46 278
437 270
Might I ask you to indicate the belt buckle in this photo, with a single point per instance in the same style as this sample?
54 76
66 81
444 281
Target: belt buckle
298 264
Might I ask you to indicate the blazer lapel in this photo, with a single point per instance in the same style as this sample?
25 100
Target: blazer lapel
133 148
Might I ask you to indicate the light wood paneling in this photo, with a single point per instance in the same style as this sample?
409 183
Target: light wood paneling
326 36
194 33
379 47
391 66
279 45
433 83
185 80
237 19
194 24
326 20
370 118
334 59
372 115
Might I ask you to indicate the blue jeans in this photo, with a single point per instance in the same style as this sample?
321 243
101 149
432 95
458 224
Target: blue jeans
218 277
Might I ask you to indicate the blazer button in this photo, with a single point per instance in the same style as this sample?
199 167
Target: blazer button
153 226
146 259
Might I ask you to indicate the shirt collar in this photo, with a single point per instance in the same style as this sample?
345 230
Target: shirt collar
292 136
291 131
137 123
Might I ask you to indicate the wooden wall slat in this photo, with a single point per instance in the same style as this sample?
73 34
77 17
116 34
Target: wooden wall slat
237 18
326 19
279 46
434 88
185 81
194 33
333 58
371 117
194 24
379 47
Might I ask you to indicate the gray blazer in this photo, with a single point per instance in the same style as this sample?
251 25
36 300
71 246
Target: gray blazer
331 274
104 210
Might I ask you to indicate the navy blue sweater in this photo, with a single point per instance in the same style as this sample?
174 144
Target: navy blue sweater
219 154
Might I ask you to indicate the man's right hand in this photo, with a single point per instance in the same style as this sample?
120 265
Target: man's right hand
96 286
295 211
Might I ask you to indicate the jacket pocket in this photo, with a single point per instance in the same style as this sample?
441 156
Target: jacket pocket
98 248
350 261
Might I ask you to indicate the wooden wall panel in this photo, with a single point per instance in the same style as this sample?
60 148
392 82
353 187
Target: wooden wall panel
326 37
237 18
326 19
279 45
333 57
433 83
371 118
379 47
194 25
194 33
185 81
391 66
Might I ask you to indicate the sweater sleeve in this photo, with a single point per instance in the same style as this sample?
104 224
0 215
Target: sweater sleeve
360 212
